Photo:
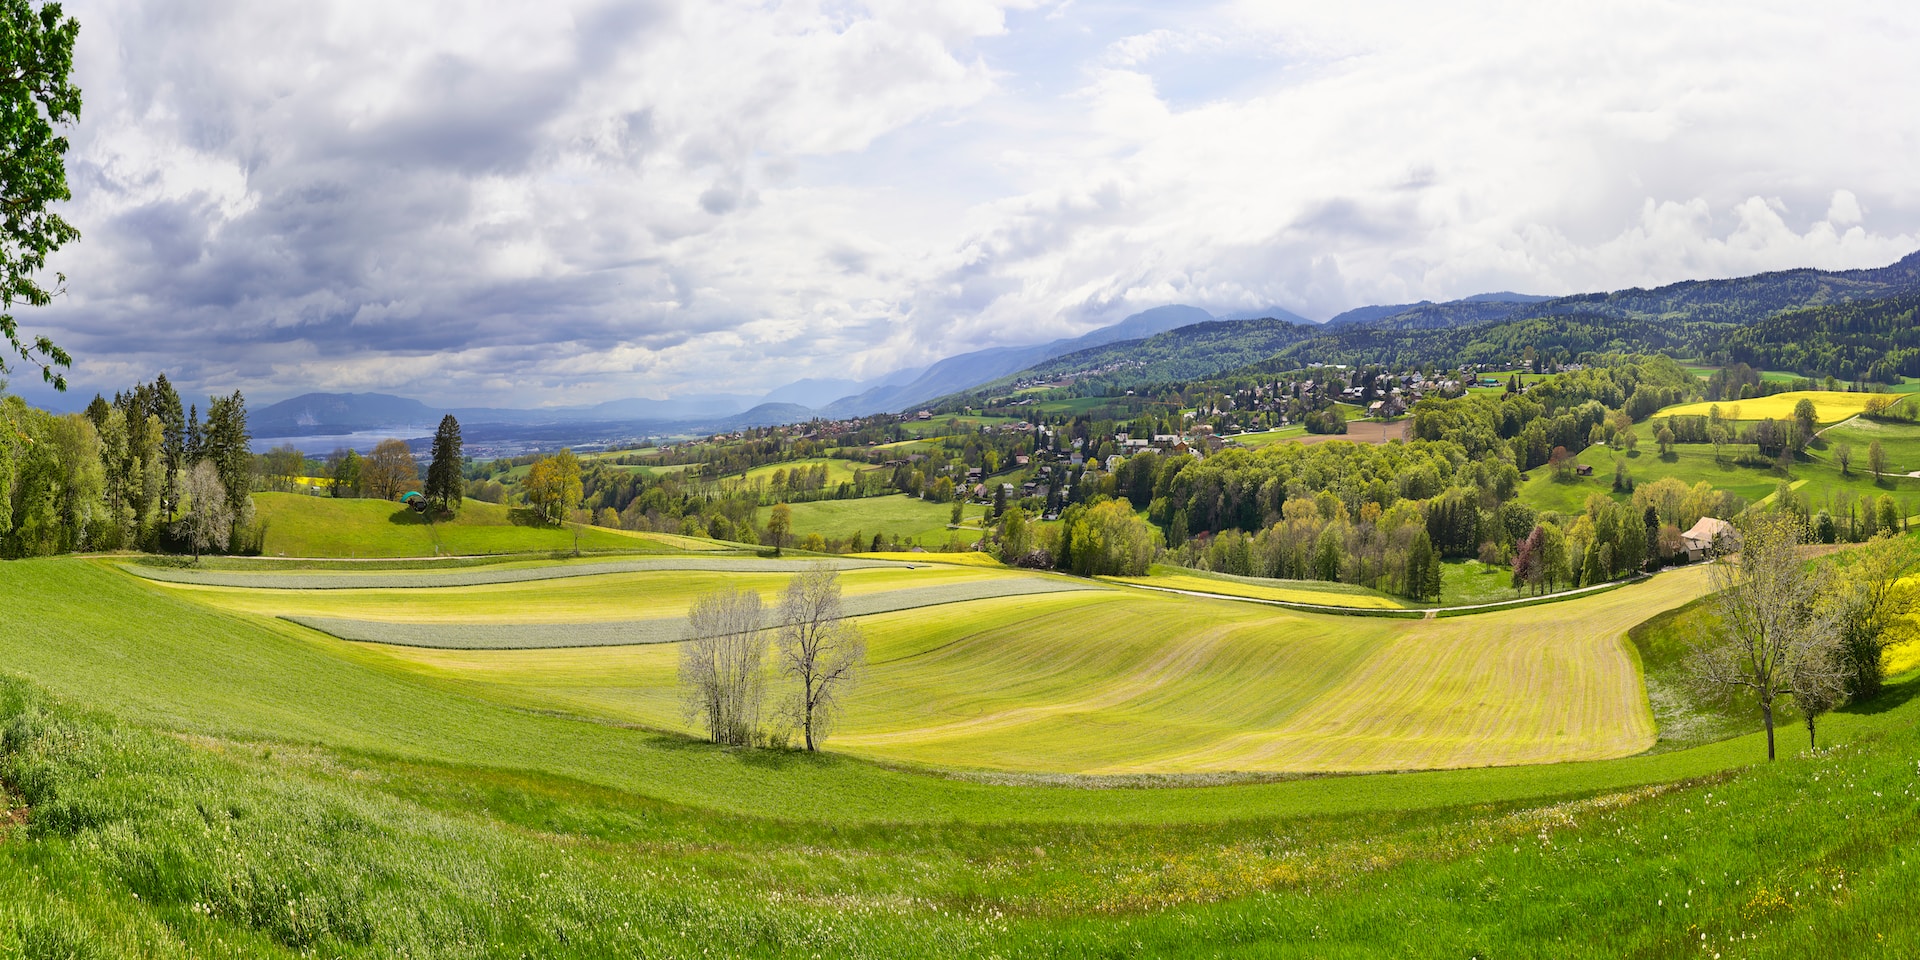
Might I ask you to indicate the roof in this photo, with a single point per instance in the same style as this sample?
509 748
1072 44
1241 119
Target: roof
1709 529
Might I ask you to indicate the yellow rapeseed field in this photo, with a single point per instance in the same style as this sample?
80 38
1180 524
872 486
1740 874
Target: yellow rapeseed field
1829 406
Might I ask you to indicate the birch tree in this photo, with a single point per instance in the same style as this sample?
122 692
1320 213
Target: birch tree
209 518
821 653
723 665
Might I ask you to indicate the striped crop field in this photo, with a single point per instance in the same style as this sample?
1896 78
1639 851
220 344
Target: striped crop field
607 597
1830 406
527 572
610 633
1287 591
1016 671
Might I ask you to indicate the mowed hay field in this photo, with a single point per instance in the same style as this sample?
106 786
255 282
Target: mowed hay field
1112 681
300 525
1321 593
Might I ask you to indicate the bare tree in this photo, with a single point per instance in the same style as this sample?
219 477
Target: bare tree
723 665
1769 619
820 651
208 520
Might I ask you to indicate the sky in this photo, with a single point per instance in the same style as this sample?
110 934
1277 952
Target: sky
561 203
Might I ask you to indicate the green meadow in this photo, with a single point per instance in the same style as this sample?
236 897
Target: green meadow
894 515
299 525
186 780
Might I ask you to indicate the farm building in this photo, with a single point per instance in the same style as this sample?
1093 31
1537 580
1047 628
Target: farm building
1710 537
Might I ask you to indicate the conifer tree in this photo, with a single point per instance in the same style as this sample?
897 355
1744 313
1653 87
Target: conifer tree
444 480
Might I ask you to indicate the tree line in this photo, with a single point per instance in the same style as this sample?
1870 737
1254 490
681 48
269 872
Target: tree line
137 472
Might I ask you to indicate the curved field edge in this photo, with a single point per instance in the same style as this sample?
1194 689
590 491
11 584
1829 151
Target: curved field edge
541 636
480 577
1311 601
99 638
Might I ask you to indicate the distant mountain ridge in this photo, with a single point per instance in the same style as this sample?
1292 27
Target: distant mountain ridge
969 370
1656 318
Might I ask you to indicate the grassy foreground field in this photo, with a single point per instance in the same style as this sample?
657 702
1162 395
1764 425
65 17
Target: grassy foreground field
256 791
299 525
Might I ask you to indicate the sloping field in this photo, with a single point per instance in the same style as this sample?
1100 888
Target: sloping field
1287 591
1092 682
636 595
472 577
515 636
300 525
87 632
1899 441
1830 406
894 515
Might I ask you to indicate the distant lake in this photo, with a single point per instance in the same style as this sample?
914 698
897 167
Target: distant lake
360 440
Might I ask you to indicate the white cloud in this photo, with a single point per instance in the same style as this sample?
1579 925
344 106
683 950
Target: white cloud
573 202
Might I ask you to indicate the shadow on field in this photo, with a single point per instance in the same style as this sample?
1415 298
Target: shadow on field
1895 694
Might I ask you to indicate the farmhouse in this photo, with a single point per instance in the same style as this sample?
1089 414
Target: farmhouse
1709 537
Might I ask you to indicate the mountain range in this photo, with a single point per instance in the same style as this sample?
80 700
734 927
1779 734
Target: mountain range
1163 343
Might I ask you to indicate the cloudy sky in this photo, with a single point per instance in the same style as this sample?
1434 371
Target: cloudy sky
557 203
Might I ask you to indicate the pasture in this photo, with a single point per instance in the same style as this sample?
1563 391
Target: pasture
1818 479
911 519
1900 441
299 525
269 791
838 471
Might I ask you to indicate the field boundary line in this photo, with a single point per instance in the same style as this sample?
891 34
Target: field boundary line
650 631
1400 613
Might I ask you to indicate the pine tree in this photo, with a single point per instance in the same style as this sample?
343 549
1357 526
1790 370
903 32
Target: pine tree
444 479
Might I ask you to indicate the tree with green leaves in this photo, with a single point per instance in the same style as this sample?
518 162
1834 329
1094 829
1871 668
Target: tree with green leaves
444 479
1773 623
37 95
779 526
553 485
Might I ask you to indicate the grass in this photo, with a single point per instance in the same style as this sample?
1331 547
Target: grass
346 577
838 471
1039 683
496 635
1318 592
970 558
1900 441
299 525
156 846
896 515
1829 406
1470 582
269 792
1267 438
1692 463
